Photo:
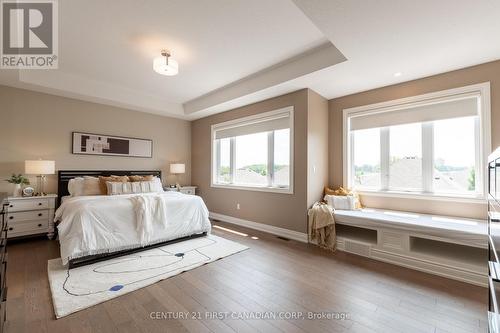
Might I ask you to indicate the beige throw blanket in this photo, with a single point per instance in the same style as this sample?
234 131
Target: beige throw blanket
322 226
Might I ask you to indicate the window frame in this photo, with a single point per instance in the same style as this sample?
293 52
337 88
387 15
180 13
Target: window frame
483 142
215 159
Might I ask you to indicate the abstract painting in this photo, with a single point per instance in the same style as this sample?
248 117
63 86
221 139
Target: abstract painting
98 144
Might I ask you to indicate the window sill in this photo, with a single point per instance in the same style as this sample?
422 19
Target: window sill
254 188
425 196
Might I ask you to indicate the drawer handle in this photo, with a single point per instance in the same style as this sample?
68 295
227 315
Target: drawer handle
11 206
11 217
40 214
39 224
11 228
39 204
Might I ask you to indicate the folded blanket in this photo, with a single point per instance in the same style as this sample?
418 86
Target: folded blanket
149 210
322 226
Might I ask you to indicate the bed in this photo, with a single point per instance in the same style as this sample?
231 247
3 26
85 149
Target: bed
98 227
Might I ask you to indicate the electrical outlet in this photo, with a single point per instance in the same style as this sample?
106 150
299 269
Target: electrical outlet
237 206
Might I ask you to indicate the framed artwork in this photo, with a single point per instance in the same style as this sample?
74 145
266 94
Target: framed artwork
107 145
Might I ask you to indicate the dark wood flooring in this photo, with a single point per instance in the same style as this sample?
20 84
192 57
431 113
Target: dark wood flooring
273 277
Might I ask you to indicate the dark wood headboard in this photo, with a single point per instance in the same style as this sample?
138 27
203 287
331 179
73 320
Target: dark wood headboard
63 177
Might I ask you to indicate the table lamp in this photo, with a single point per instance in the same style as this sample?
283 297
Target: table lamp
177 168
40 168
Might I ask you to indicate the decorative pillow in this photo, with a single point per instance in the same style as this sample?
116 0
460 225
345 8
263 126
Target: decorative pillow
137 178
345 202
75 186
344 192
116 188
158 184
104 180
91 186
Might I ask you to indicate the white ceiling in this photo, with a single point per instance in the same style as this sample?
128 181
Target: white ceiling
234 52
417 38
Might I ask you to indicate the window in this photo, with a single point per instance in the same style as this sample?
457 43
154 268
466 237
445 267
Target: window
367 159
405 157
251 159
254 152
455 155
421 145
224 170
281 158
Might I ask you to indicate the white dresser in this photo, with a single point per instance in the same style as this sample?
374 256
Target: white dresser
31 216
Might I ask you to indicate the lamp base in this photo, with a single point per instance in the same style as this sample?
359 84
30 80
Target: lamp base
40 185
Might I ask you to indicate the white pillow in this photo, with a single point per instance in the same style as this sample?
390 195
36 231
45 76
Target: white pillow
344 202
116 188
75 186
159 185
91 186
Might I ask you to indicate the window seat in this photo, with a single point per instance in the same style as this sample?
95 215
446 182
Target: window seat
453 247
459 230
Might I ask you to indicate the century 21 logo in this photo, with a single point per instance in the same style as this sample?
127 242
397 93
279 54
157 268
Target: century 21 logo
29 28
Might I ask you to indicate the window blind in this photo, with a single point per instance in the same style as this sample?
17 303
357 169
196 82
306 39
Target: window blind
461 107
258 125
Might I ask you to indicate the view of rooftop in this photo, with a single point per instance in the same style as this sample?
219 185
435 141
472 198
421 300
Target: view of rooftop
406 173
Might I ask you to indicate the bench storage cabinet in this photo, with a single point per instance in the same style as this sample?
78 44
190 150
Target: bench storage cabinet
446 246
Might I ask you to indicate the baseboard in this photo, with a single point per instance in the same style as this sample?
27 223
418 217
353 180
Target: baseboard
291 234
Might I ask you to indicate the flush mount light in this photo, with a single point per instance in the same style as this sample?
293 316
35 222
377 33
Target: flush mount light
165 65
398 74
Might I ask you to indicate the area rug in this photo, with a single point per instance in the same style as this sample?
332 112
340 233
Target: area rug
82 287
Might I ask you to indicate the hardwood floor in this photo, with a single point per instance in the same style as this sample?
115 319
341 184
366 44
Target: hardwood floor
273 277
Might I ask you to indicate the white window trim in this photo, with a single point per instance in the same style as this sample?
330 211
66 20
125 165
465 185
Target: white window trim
248 119
482 90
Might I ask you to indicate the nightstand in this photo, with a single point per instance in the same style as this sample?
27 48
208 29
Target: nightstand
188 190
31 216
184 189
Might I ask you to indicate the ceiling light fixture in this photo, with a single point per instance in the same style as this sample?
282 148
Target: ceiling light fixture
398 74
165 65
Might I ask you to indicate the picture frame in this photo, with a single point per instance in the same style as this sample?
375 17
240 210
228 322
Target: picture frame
84 143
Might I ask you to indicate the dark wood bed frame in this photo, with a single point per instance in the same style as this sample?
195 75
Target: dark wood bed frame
63 178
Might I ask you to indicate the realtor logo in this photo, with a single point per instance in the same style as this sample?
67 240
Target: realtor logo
29 34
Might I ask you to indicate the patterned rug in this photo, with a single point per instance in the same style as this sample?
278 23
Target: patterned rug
82 287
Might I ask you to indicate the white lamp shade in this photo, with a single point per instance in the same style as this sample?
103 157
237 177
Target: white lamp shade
161 66
39 167
177 168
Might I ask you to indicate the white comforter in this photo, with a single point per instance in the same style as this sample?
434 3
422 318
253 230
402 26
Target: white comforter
92 225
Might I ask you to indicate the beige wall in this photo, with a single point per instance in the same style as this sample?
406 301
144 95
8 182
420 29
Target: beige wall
477 74
281 210
317 147
36 125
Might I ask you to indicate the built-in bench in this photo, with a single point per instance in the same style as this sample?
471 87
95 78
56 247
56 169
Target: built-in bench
447 246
